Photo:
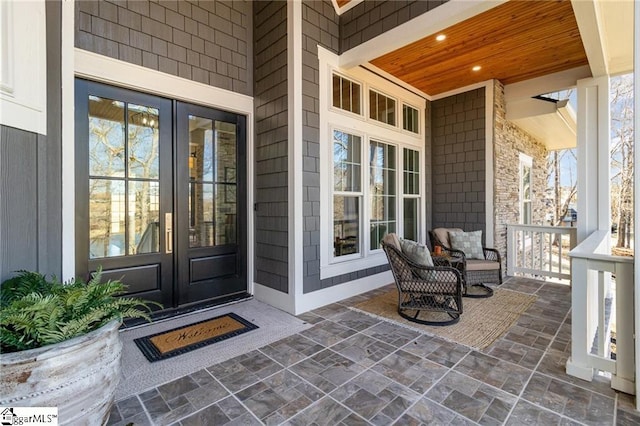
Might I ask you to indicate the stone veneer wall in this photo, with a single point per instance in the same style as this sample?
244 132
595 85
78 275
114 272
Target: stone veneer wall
458 161
372 18
509 141
205 41
271 145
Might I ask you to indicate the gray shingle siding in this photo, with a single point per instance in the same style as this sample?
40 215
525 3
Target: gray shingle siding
271 145
321 26
369 19
205 41
458 161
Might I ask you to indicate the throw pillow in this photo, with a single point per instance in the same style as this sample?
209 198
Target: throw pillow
419 254
468 242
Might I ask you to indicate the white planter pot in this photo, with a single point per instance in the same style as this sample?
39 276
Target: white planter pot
79 376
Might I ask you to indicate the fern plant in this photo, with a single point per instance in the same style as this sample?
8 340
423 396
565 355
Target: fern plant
35 311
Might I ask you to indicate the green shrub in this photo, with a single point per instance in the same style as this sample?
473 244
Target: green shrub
35 311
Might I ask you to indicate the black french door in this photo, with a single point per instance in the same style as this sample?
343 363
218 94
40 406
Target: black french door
211 208
160 195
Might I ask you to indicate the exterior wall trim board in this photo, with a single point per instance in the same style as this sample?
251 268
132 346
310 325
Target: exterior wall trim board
68 134
124 74
294 74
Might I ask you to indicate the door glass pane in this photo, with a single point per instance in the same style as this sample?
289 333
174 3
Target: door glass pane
107 218
106 137
212 180
143 135
123 178
144 217
201 215
225 205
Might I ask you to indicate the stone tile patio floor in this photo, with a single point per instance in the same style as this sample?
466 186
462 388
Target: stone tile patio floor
352 369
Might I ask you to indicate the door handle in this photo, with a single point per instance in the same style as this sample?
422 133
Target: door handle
168 233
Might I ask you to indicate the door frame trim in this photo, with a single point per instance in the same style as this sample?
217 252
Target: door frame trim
103 69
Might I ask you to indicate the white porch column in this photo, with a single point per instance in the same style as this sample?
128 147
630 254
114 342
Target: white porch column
594 206
594 209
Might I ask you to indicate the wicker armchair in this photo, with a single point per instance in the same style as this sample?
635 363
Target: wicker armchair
426 295
476 272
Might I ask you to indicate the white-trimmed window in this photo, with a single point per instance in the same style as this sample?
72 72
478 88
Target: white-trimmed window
371 165
346 94
382 191
411 198
382 108
526 211
347 193
410 119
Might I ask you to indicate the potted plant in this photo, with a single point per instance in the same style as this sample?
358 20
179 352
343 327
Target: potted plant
59 344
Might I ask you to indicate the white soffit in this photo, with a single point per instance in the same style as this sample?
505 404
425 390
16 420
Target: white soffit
553 124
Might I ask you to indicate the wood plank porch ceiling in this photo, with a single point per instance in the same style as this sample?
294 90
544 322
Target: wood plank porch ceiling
515 41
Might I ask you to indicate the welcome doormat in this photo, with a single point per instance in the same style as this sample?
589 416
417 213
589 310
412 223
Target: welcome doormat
184 339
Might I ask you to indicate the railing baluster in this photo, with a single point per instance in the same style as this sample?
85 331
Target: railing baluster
540 240
602 327
550 248
560 255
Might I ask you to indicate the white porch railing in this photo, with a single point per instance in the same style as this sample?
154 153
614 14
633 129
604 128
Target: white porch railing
592 272
540 250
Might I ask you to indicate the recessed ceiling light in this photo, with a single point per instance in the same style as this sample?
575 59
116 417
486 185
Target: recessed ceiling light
440 37
477 68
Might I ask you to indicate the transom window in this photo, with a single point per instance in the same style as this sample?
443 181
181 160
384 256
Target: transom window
346 94
382 108
410 119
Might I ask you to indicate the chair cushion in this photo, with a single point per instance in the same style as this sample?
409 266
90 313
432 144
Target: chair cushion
468 242
482 265
442 234
392 240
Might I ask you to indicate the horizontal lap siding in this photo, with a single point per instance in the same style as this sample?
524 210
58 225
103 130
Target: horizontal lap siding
204 41
271 145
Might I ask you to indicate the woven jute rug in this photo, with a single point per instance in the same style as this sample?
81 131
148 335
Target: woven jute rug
481 323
